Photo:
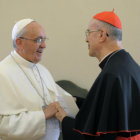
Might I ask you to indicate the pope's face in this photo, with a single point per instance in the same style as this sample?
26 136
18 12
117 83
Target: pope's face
28 47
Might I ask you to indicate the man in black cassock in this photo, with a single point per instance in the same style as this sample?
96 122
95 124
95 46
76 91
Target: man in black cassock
111 110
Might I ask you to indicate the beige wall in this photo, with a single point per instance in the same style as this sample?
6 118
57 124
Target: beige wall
65 22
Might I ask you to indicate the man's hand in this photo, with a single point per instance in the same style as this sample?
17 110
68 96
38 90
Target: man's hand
60 113
51 110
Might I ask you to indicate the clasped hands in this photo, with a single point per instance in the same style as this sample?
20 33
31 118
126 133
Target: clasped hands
54 109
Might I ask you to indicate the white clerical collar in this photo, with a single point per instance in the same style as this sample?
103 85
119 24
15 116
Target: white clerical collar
21 60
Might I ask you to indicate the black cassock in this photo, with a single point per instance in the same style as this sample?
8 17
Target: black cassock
112 106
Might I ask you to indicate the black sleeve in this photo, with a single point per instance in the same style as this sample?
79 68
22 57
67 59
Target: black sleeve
70 134
67 130
79 101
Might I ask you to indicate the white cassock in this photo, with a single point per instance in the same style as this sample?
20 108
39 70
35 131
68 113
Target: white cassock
21 100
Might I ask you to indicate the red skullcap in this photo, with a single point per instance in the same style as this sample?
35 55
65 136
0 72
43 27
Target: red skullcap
109 17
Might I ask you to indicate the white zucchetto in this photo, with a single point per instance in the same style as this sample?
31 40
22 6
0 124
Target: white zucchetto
19 26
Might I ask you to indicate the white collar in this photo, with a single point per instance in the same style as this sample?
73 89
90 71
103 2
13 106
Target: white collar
19 59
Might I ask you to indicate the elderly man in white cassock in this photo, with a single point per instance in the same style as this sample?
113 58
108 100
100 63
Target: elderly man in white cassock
28 93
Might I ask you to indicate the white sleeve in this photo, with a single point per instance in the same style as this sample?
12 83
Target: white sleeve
61 91
26 125
67 102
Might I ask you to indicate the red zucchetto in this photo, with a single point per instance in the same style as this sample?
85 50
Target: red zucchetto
109 17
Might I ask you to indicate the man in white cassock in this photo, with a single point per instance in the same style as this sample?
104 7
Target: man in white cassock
28 93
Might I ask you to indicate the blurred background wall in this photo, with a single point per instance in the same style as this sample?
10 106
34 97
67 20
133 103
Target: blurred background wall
65 22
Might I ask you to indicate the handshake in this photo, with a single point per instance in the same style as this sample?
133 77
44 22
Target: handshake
61 108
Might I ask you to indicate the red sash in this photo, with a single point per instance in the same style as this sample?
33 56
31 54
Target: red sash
137 137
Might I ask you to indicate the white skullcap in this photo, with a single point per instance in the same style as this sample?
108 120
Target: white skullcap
19 26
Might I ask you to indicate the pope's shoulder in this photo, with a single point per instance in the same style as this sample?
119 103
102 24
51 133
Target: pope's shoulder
6 62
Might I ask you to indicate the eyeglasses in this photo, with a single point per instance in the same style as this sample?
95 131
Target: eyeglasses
38 40
88 32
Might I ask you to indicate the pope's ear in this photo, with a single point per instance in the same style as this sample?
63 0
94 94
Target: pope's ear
19 43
